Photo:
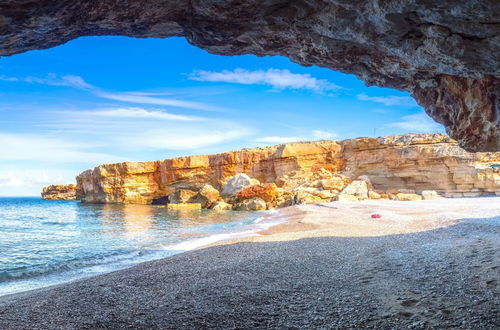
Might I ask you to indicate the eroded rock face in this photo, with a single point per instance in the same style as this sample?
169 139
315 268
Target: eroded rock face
311 171
64 192
444 53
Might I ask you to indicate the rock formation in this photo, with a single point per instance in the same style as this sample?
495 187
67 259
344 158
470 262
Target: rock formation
445 53
65 192
395 167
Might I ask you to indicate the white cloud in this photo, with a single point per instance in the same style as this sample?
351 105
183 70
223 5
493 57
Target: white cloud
42 148
135 112
180 138
130 97
10 180
418 122
278 79
323 135
389 100
279 139
142 99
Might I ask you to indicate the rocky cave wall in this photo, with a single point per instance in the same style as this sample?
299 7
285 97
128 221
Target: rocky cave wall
445 53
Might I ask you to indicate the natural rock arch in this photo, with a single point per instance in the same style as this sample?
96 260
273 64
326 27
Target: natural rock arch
445 53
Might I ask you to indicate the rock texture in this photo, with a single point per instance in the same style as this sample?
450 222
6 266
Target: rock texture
65 192
305 172
445 53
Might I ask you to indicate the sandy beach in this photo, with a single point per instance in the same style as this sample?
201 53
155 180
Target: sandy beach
424 264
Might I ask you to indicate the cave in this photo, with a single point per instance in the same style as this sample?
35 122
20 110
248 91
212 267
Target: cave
444 53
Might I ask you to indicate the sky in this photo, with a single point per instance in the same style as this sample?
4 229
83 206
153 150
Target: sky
98 100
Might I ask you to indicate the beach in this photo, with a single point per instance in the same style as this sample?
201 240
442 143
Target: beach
423 264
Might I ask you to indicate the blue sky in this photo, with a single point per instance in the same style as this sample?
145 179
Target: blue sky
109 99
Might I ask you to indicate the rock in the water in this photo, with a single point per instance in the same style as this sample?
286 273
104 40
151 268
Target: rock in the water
253 204
221 206
444 53
237 183
207 196
182 196
408 197
63 192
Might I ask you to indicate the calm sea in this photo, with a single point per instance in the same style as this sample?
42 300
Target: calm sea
50 242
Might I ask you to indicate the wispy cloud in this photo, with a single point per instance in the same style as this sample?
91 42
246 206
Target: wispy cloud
141 99
135 112
276 78
323 135
129 97
389 100
48 149
418 122
178 139
279 139
314 135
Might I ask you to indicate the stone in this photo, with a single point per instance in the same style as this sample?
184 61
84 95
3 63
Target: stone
181 196
62 192
373 195
347 198
445 55
184 206
253 204
357 188
206 196
237 183
268 192
221 206
430 194
408 197
334 183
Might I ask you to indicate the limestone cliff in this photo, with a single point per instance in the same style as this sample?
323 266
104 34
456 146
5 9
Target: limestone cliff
66 192
414 161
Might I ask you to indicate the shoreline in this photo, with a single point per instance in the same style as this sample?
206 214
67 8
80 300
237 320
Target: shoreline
440 230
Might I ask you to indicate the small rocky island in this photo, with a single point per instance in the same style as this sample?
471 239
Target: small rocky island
405 167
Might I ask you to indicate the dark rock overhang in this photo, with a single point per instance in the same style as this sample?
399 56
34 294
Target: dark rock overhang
445 53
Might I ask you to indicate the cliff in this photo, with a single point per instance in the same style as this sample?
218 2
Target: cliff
66 192
412 162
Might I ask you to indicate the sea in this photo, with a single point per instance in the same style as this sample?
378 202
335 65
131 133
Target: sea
45 243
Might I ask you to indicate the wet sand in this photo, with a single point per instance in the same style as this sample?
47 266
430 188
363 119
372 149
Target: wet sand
429 264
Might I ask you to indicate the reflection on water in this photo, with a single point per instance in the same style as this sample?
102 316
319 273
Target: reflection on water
50 237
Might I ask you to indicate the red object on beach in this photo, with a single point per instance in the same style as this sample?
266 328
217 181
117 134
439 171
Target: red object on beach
376 216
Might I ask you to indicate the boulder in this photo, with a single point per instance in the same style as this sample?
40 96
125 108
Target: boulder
253 204
221 206
357 188
268 192
430 194
206 196
181 196
334 183
63 192
237 183
408 197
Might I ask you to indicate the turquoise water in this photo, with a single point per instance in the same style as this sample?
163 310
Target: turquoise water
49 242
